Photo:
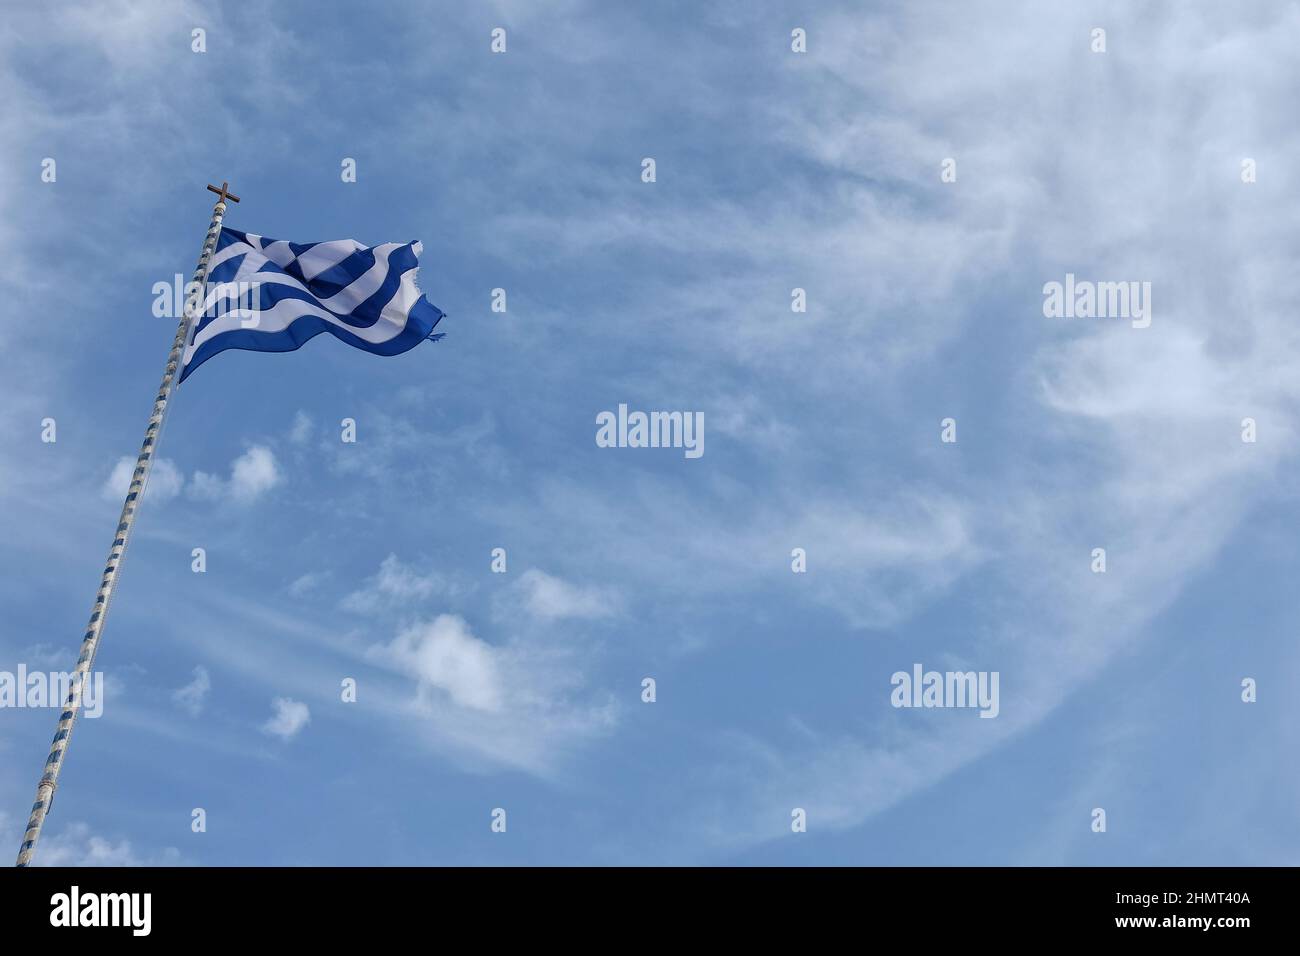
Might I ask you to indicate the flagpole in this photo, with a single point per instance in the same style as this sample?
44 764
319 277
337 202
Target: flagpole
112 569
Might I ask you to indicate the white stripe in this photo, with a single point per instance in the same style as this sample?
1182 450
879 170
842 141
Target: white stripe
326 255
399 306
229 252
278 252
229 289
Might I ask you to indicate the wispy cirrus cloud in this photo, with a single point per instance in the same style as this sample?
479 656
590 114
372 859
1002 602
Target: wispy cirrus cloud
193 696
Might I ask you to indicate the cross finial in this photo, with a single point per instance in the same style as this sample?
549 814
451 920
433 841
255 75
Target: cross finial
222 192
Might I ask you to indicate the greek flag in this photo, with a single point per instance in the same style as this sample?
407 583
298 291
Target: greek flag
269 295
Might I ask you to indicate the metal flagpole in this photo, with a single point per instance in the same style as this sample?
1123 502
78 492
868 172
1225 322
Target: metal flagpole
112 569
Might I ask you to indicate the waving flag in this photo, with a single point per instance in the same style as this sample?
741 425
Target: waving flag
269 295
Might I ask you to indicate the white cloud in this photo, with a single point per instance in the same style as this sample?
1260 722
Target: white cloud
305 584
875 552
206 487
165 481
77 846
396 584
252 474
290 717
301 431
49 656
552 599
521 703
443 654
193 695
397 580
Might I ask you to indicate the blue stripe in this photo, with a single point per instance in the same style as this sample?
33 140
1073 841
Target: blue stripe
228 237
225 271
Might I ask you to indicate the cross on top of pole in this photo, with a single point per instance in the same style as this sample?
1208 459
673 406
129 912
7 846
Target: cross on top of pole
223 193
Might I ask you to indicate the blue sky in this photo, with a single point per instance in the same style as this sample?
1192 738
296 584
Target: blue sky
775 171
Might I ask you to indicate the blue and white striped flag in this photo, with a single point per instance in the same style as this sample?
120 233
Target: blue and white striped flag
269 295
